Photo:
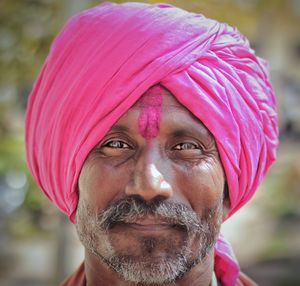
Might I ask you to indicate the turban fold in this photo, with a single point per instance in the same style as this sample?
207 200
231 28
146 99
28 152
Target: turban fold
103 61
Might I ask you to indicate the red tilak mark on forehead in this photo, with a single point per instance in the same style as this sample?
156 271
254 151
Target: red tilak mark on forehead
149 118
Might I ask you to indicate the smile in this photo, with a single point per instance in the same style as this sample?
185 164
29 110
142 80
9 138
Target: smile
149 227
148 224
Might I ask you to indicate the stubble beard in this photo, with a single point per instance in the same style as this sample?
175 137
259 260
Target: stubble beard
197 240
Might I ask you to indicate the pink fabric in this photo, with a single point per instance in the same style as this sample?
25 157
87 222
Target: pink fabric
226 266
106 57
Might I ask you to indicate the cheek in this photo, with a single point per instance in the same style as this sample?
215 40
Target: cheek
100 184
202 185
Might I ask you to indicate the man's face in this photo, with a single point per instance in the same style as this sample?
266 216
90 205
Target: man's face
151 193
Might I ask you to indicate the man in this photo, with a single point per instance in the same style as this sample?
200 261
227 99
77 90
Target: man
149 126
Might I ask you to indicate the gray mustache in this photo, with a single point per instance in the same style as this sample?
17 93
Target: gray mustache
130 209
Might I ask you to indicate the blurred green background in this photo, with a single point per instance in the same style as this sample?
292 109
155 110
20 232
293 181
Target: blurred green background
37 244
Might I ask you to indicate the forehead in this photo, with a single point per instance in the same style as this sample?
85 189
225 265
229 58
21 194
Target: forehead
174 117
150 98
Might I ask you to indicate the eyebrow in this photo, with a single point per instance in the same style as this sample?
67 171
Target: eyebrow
191 131
119 128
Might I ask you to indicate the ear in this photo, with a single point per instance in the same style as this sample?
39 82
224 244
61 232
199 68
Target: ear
226 202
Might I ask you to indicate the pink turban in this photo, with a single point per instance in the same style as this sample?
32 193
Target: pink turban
106 57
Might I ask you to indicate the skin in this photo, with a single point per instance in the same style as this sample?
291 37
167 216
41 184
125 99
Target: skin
150 108
180 165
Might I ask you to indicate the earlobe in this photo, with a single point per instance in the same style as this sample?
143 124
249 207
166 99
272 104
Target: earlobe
226 202
226 207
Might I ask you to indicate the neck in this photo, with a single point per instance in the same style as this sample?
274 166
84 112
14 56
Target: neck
98 273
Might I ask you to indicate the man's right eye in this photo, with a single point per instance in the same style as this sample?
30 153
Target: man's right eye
115 148
117 144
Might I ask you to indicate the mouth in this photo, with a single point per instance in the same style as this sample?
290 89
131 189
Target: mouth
148 224
149 227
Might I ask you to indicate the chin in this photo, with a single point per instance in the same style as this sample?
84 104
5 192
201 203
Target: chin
153 259
152 253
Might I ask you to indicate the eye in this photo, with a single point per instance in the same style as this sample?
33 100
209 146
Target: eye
115 148
188 151
116 144
186 146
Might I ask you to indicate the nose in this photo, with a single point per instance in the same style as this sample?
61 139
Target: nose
148 181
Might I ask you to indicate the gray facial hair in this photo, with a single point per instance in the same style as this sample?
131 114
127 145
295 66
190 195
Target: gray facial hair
171 268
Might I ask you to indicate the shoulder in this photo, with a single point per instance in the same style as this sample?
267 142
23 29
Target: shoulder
75 279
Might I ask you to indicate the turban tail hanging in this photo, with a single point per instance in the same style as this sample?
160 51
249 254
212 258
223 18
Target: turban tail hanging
106 57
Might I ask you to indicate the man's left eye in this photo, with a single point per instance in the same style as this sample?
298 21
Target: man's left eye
186 146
